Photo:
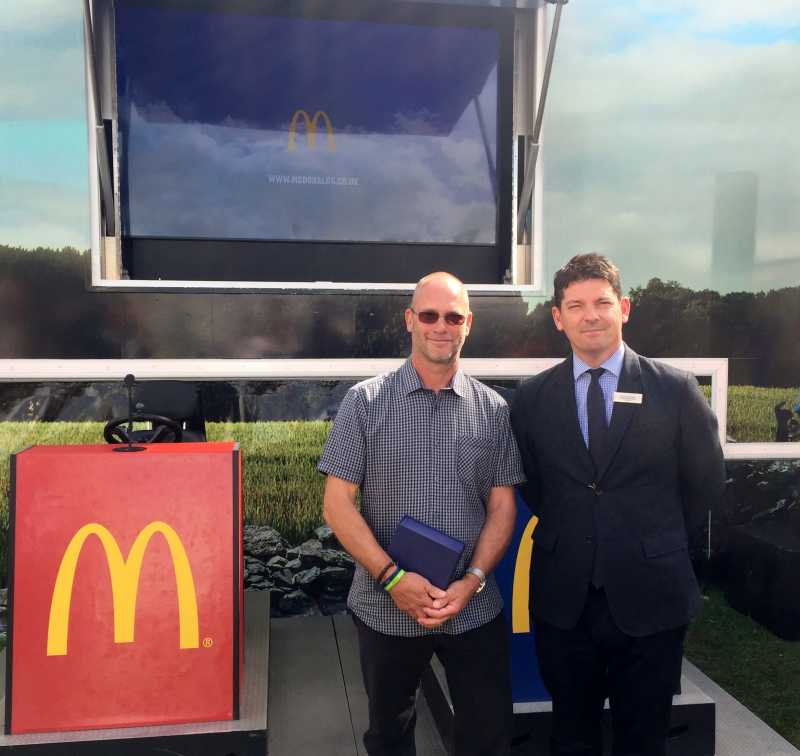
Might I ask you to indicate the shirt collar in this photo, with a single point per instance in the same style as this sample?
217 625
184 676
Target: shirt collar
459 383
410 380
613 364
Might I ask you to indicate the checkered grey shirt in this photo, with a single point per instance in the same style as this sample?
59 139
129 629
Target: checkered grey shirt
433 456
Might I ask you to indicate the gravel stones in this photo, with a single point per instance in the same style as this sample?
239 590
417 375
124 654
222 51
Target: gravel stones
264 542
311 578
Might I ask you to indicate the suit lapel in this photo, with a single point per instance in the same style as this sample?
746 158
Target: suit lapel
567 408
630 381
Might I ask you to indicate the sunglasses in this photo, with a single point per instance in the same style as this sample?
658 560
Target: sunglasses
429 317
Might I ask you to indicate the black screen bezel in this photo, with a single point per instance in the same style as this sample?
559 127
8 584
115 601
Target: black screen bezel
148 258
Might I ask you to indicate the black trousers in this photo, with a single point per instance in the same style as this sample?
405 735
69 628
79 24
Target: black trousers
595 660
478 676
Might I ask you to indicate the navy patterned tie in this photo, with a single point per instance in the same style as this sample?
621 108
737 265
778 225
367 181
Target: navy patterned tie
596 413
598 440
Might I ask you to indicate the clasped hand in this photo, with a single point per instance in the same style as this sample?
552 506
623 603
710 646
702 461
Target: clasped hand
428 605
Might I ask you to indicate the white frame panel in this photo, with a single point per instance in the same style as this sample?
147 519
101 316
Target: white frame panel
292 286
21 371
101 246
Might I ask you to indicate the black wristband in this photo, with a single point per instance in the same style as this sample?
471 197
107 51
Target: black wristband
383 572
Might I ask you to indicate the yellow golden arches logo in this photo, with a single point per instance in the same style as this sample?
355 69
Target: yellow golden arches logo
520 597
311 125
124 585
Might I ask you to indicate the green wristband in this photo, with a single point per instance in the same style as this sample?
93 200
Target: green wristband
395 580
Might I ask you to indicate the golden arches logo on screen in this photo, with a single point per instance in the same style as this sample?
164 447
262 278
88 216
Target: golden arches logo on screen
311 124
520 596
124 575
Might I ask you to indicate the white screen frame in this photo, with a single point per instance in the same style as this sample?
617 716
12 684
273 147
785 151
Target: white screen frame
106 270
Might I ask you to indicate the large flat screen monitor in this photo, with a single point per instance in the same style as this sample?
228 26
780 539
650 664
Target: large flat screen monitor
262 140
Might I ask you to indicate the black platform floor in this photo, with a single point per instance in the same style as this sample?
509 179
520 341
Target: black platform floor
317 703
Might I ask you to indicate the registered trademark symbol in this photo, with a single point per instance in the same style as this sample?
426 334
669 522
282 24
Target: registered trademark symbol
208 642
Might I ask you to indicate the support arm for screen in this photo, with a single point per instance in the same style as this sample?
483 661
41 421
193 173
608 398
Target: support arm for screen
103 161
533 142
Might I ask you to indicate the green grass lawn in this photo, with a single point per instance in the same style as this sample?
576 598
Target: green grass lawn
757 668
751 411
282 487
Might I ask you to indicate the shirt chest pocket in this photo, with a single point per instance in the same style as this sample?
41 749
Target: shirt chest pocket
475 462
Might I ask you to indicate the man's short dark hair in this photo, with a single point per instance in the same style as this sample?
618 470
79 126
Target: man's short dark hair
584 268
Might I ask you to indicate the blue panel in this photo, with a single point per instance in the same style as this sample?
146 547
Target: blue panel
526 681
252 126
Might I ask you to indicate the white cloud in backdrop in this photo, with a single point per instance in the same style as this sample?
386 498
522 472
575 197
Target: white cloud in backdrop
643 117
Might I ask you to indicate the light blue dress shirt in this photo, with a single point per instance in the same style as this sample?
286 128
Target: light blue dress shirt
608 383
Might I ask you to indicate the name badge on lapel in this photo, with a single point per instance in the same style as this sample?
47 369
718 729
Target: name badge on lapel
623 398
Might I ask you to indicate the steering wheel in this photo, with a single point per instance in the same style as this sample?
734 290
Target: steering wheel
164 429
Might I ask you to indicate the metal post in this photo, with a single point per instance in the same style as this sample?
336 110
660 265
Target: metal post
106 186
533 146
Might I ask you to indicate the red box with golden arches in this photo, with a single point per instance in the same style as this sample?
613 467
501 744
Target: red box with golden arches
125 587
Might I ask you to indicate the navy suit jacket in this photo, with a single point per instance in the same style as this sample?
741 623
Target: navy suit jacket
663 471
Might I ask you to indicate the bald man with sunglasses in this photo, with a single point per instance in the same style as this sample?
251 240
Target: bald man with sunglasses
430 442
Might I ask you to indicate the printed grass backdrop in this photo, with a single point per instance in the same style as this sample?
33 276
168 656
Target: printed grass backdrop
281 485
751 411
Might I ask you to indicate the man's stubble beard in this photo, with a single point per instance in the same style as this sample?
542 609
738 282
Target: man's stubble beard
443 359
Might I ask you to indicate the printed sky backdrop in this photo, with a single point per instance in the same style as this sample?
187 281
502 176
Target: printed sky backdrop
670 137
43 139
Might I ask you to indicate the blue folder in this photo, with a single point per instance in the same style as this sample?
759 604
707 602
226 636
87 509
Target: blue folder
419 548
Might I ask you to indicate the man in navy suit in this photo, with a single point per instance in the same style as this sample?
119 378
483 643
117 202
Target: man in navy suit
623 461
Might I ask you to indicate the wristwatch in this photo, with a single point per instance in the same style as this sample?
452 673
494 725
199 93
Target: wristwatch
480 574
